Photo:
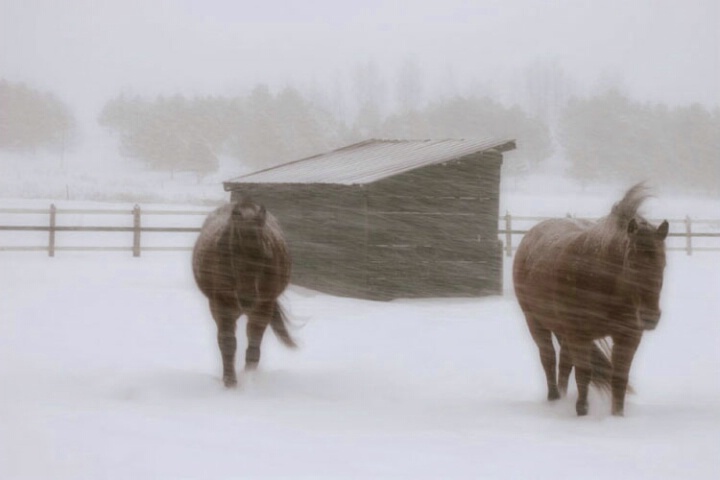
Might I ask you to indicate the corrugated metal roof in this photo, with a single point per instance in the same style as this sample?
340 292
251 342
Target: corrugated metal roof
371 160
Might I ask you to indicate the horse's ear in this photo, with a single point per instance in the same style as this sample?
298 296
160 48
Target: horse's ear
632 226
262 214
662 230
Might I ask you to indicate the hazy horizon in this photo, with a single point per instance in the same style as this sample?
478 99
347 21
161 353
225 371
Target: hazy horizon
89 51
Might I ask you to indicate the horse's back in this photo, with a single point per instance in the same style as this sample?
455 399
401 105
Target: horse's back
544 243
540 260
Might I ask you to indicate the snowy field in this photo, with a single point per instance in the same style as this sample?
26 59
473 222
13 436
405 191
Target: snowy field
109 369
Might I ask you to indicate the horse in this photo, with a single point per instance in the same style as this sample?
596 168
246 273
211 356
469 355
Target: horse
588 280
242 264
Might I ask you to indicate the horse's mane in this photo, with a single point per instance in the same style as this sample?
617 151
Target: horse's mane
611 231
627 208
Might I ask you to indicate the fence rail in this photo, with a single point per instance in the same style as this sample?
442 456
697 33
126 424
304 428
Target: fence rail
692 230
136 229
688 232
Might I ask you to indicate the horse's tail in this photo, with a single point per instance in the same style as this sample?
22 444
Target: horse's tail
279 324
601 366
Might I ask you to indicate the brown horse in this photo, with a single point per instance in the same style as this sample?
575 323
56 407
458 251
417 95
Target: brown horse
242 265
584 281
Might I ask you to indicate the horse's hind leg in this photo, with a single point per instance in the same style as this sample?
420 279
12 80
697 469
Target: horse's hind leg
543 339
581 357
258 320
226 315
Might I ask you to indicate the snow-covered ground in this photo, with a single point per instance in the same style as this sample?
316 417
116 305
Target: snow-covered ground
109 369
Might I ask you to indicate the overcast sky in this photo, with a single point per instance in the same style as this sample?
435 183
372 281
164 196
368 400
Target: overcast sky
87 50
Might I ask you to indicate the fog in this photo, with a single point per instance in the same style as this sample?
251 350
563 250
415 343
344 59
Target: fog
87 51
399 57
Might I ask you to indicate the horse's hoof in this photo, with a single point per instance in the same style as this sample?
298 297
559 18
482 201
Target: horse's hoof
553 394
251 366
581 409
618 412
230 382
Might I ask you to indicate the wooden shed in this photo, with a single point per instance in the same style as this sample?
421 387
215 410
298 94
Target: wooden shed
384 219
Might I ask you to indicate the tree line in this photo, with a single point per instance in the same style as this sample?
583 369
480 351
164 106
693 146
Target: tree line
605 137
264 129
609 137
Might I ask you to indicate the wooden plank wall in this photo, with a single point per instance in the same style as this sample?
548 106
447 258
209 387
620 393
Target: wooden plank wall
433 231
429 232
325 228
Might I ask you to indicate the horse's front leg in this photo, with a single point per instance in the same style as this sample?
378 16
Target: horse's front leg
226 315
624 348
564 369
581 352
258 320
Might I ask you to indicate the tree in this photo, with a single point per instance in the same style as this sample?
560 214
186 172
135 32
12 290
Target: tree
610 138
30 119
474 117
369 91
547 90
284 127
409 90
171 134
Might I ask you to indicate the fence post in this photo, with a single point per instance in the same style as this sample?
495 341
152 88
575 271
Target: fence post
136 231
688 235
51 231
508 234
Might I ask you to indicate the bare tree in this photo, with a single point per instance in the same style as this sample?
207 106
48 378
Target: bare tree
409 89
547 90
369 89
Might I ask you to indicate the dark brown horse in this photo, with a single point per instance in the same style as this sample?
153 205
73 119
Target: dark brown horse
242 265
584 281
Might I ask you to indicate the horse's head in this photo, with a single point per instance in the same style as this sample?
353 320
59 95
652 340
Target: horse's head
248 220
645 266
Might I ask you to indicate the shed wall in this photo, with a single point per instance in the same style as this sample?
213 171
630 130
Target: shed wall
325 229
429 232
434 231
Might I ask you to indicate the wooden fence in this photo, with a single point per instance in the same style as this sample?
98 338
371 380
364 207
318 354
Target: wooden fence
136 229
511 228
690 230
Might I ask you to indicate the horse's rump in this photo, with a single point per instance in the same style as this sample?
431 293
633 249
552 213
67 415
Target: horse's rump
219 264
